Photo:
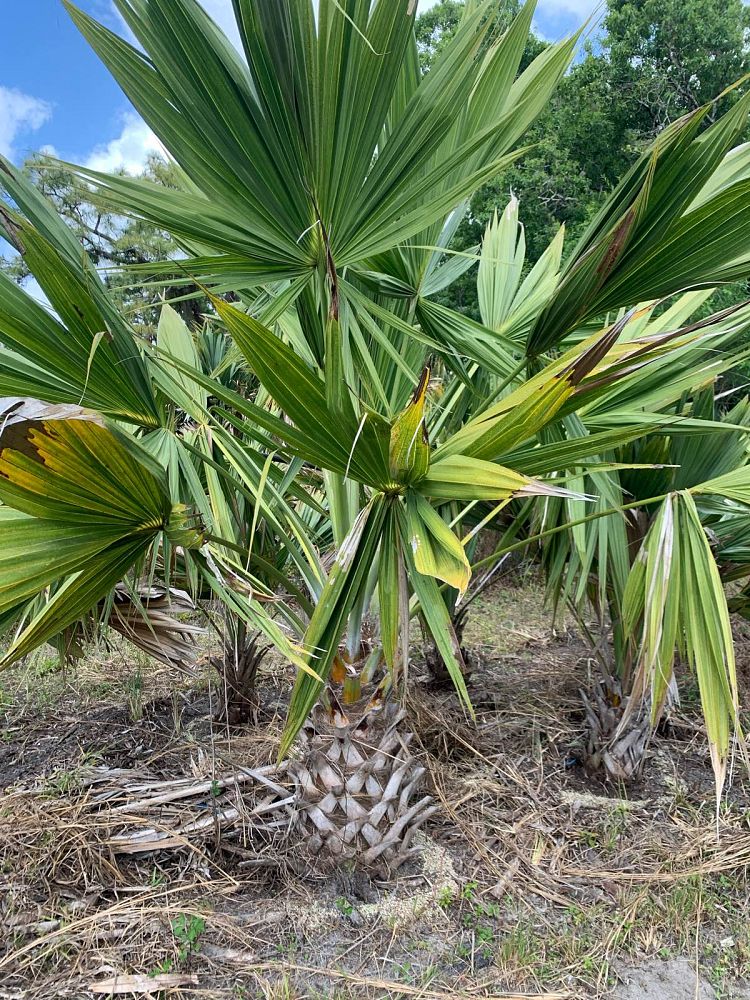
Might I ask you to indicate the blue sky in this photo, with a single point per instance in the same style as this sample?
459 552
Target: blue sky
55 94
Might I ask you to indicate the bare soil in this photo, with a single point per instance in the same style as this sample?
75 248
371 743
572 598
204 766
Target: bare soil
536 879
675 979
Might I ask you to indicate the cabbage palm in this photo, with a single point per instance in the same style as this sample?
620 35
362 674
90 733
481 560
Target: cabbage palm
299 198
50 364
645 581
653 588
321 177
679 443
652 238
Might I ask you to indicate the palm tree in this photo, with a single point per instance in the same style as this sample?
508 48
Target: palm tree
320 179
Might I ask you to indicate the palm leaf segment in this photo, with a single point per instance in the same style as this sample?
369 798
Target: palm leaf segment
323 147
84 504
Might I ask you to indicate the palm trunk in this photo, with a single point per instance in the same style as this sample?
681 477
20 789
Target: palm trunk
237 667
434 660
356 783
618 732
620 750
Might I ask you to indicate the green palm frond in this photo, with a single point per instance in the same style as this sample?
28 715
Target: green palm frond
85 503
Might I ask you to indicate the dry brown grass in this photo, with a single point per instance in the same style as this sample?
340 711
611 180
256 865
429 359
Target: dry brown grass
558 880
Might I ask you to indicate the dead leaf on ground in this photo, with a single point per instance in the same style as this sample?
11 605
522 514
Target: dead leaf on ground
142 984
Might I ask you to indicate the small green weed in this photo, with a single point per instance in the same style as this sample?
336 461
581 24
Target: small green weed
481 919
134 694
446 897
187 930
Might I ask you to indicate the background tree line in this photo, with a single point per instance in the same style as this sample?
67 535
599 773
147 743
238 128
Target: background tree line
647 63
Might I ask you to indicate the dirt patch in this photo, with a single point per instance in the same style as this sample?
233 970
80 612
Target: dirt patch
674 980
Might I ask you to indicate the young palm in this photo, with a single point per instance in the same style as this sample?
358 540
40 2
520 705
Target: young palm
319 177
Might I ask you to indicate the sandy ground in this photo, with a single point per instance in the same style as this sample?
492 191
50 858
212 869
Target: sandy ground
676 979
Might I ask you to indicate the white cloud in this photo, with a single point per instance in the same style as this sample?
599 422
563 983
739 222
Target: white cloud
581 9
129 151
19 113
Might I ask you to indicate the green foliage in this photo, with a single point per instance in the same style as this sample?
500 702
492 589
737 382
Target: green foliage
665 58
650 63
337 438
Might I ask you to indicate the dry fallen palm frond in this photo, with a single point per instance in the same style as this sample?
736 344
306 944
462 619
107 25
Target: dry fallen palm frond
147 622
77 836
184 813
142 614
142 984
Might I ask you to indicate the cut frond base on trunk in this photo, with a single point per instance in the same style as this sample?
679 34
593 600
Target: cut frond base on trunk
618 750
357 790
